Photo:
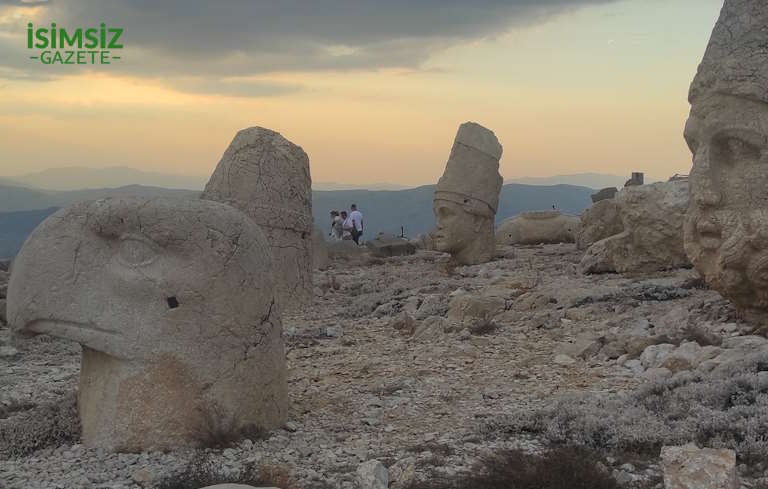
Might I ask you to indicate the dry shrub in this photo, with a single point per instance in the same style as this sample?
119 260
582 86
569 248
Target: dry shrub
277 476
727 408
52 424
700 335
203 471
450 267
437 448
219 429
482 327
561 468
15 406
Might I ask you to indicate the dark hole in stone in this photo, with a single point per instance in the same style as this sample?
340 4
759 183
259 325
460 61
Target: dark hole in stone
173 303
304 235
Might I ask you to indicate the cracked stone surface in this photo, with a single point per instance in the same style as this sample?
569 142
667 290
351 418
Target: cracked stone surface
267 177
651 239
173 304
726 230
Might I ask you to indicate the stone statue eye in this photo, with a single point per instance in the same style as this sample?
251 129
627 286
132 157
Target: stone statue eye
732 150
134 252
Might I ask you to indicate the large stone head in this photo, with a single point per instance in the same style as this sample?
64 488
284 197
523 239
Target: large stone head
467 196
267 177
173 302
726 230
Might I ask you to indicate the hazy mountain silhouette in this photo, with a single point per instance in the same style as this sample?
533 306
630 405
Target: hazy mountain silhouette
78 178
591 180
21 209
13 198
16 226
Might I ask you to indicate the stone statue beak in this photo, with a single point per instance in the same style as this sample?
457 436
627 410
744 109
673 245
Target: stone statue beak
42 291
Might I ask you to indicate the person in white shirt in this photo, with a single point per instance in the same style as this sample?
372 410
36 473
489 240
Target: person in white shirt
347 226
357 221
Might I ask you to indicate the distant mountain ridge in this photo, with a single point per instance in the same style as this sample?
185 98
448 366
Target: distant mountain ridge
80 178
15 198
596 181
389 211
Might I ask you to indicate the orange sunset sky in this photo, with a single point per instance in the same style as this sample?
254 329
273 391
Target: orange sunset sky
373 91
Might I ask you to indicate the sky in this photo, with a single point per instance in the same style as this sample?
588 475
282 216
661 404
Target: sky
373 91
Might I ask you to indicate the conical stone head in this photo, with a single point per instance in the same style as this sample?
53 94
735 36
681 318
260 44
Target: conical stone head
267 176
467 196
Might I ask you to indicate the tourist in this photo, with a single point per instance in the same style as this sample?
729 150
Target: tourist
357 222
337 226
347 226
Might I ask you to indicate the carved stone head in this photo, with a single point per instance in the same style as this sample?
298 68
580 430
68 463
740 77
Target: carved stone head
267 176
173 302
467 196
726 230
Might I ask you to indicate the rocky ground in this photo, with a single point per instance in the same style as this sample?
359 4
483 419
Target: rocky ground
409 360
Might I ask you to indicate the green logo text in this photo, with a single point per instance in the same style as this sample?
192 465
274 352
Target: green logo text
80 46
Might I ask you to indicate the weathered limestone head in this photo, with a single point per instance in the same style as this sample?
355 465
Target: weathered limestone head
726 230
535 227
467 196
266 176
173 303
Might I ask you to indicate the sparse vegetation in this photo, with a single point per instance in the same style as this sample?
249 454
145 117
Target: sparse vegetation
482 327
222 430
699 334
727 408
437 448
562 468
50 424
14 407
203 471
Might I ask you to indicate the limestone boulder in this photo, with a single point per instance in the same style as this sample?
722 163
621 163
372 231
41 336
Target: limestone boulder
173 302
652 218
537 227
387 246
690 467
267 177
465 308
603 194
372 475
600 221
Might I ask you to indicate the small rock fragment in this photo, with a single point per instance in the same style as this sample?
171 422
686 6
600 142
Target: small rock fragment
689 467
372 475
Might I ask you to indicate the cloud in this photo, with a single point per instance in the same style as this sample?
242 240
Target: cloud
252 37
234 88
